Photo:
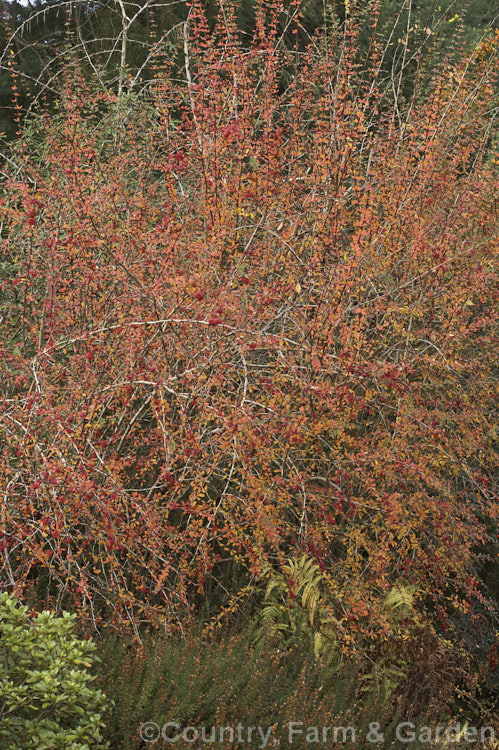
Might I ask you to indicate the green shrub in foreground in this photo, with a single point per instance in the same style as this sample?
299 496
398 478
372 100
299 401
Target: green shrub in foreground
46 699
226 679
221 679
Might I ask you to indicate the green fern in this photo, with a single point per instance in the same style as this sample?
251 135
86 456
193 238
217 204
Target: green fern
402 596
400 602
295 606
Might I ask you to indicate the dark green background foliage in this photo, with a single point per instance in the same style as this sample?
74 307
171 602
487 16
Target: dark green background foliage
35 38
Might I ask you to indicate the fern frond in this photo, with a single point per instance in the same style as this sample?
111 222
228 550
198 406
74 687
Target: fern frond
400 597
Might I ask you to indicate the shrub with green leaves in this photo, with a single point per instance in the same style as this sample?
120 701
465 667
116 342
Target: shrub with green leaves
222 678
46 697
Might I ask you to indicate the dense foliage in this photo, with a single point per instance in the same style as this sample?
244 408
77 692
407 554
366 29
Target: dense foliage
47 700
220 682
116 42
248 333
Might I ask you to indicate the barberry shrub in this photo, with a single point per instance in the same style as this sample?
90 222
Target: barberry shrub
251 315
